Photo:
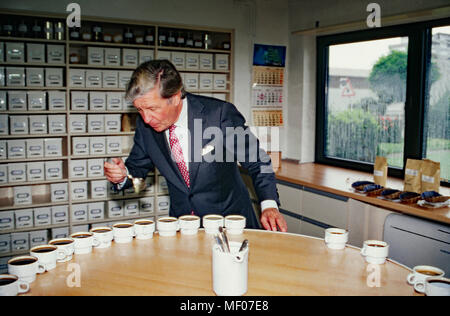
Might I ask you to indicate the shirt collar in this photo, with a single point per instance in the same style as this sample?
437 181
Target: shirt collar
182 119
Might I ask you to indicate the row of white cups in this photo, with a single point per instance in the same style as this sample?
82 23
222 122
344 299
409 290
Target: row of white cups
428 280
23 269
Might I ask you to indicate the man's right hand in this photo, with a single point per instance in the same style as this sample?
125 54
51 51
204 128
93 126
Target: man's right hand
115 171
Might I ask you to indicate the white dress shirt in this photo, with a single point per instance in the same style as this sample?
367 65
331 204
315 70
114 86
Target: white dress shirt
182 132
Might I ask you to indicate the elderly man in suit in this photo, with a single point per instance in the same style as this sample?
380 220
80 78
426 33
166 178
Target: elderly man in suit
196 143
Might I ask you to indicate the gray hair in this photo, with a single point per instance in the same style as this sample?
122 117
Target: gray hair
151 73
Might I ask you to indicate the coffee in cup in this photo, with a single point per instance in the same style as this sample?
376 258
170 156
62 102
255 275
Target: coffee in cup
212 222
48 255
83 242
434 286
10 285
144 229
25 267
123 232
103 235
167 226
66 245
420 273
375 251
235 224
336 238
189 224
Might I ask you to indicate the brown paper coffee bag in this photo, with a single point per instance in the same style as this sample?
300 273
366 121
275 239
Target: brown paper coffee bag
413 176
431 175
380 170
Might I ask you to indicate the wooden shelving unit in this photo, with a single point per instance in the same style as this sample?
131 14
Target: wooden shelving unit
41 189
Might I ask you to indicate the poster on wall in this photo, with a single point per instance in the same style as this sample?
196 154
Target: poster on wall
269 55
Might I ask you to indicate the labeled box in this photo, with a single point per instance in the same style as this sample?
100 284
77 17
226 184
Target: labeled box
34 77
78 168
5 243
131 207
2 76
221 62
206 81
42 216
37 100
164 55
93 79
110 79
77 123
79 100
115 209
3 98
60 214
57 124
220 81
146 205
206 61
191 81
97 146
17 100
36 171
56 100
80 146
54 77
24 218
16 148
163 204
95 168
79 190
113 144
3 173
96 211
35 148
38 237
124 78
17 172
77 78
112 56
179 60
62 232
53 170
192 61
129 57
99 189
20 241
52 147
15 52
3 149
6 221
22 195
55 54
96 123
15 76
146 55
35 53
38 124
97 101
4 125
114 101
79 213
112 122
18 124
58 192
96 56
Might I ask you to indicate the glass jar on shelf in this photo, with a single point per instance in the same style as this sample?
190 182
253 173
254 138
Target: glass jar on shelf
7 28
171 40
150 37
207 41
162 38
128 36
181 40
190 40
75 34
48 30
97 34
59 31
36 30
198 43
22 29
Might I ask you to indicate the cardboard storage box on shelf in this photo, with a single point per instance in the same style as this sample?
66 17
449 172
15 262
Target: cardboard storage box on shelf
110 79
221 62
77 78
146 55
3 149
114 101
192 61
96 56
4 125
97 101
5 243
53 147
42 216
37 100
112 56
96 123
99 189
2 76
38 237
35 148
146 204
59 192
57 124
61 232
95 168
15 52
24 218
3 98
56 100
79 212
3 174
22 195
93 79
17 172
78 168
53 170
20 241
220 82
115 208
80 146
6 221
78 123
17 100
79 100
164 55
54 77
114 144
163 204
129 57
38 124
113 122
79 190
124 78
179 60
34 77
96 210
35 53
131 207
206 81
15 76
60 214
206 61
16 148
97 146
191 81
18 124
36 171
56 54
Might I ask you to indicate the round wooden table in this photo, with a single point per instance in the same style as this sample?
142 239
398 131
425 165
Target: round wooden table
279 264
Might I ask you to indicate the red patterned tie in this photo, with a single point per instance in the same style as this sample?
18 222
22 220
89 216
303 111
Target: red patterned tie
177 154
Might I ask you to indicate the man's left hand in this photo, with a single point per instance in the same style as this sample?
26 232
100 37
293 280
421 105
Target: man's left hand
271 218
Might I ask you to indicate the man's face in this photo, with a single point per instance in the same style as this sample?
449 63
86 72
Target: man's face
158 112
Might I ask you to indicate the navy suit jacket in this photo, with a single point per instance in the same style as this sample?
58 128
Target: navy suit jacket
216 186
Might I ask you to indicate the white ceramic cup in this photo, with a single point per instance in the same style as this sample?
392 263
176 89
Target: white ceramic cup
189 224
212 222
144 229
83 242
104 235
48 255
230 270
25 267
434 286
336 238
235 224
420 273
123 233
66 245
167 226
10 285
375 251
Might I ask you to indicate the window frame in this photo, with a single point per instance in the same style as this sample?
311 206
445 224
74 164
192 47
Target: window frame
419 53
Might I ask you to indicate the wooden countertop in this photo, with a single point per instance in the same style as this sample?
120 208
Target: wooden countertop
338 181
278 264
